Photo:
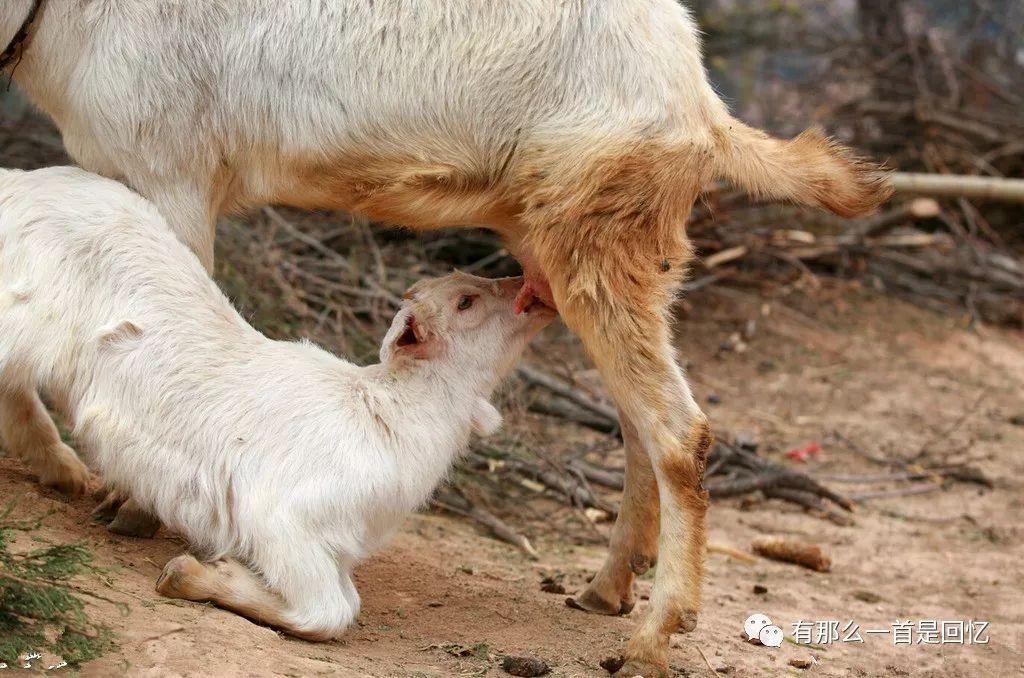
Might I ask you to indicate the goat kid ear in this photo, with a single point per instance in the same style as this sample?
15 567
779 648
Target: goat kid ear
409 336
486 418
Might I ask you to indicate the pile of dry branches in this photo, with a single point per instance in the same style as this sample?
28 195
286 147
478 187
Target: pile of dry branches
929 86
914 250
911 96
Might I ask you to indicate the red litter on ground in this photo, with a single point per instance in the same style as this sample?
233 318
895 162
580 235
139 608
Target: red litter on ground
803 453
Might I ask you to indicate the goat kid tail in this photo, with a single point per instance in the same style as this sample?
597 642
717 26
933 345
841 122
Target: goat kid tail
810 169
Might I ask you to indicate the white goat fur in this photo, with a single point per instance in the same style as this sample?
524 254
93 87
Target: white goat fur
275 453
581 130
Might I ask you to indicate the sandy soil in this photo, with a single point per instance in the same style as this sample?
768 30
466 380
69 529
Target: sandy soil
446 600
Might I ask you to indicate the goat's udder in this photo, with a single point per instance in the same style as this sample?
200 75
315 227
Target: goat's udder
535 289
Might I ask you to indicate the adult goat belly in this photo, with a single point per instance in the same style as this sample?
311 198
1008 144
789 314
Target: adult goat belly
419 193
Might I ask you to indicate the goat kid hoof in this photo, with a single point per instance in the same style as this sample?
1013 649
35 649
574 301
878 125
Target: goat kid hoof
68 475
106 511
176 580
589 601
110 500
634 668
132 521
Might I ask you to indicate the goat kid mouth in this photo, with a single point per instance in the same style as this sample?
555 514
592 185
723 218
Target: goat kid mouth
535 306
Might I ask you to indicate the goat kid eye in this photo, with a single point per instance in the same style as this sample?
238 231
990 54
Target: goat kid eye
464 303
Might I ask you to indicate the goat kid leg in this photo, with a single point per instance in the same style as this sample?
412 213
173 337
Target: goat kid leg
187 212
110 499
29 433
230 585
313 609
123 515
134 521
633 548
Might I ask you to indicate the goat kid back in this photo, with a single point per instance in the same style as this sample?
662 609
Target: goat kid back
271 457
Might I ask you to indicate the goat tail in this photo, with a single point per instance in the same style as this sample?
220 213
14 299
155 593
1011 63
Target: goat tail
811 169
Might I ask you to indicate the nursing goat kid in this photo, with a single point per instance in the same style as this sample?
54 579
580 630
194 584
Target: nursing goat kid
582 132
282 464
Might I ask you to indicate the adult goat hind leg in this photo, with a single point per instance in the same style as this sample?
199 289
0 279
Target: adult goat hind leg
633 548
633 352
614 253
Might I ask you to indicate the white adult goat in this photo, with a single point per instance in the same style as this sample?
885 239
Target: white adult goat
581 131
273 454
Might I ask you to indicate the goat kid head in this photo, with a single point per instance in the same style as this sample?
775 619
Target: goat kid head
465 329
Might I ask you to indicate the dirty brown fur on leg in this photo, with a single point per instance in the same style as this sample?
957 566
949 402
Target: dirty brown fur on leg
684 475
675 599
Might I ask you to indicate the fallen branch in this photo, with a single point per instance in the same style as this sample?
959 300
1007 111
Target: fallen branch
784 550
536 377
810 502
959 186
725 256
498 527
967 474
898 492
731 551
913 210
564 484
750 473
330 254
569 411
615 480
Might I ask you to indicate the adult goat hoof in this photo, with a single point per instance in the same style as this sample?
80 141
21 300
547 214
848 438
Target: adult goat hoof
634 668
590 601
688 621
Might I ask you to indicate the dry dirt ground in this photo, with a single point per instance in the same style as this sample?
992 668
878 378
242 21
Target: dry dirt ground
863 374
